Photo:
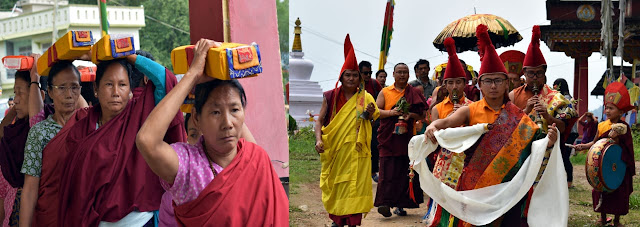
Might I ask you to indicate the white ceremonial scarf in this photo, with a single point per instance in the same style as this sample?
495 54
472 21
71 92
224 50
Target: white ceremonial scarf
549 204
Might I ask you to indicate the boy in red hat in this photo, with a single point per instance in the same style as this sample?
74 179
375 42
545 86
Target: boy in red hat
494 108
454 81
616 103
513 60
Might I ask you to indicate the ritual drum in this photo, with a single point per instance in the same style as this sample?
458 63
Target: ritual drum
604 167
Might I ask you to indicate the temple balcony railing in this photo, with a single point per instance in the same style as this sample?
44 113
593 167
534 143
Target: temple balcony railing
69 16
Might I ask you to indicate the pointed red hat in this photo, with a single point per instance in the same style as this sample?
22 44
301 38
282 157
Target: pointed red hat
350 61
512 60
617 94
534 57
490 61
454 67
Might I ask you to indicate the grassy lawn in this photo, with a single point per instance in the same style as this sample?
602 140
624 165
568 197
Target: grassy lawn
305 166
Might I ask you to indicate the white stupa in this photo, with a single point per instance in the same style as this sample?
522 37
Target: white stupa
305 96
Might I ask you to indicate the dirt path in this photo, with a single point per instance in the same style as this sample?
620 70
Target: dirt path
309 211
315 215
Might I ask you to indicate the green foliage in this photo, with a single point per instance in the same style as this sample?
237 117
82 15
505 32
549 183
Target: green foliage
579 159
6 5
160 39
403 105
634 202
293 125
282 7
305 161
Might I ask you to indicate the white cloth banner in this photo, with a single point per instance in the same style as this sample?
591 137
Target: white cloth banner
550 200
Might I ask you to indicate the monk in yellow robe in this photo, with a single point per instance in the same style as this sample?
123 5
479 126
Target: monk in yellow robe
343 139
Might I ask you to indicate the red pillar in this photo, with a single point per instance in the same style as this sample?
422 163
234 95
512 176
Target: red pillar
252 21
581 85
205 20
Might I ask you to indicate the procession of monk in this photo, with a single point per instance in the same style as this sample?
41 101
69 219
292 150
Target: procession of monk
511 167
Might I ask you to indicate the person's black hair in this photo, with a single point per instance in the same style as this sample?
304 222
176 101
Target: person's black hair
364 64
401 63
186 122
138 76
59 67
381 71
88 94
145 54
204 89
420 62
563 86
24 75
11 98
102 67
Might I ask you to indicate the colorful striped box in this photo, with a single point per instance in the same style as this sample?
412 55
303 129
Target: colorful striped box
111 47
69 47
229 61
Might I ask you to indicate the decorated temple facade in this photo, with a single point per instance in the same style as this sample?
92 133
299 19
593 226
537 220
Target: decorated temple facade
576 29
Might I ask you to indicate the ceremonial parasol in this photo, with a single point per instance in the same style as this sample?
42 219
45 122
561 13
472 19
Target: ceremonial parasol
463 31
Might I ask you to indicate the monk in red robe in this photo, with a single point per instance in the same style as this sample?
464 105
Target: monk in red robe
616 103
393 183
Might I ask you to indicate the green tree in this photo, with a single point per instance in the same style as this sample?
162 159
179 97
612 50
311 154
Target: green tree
159 38
282 7
7 5
283 30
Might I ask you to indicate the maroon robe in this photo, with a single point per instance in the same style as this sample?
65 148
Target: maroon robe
99 175
617 202
12 149
329 96
46 210
393 181
248 192
373 87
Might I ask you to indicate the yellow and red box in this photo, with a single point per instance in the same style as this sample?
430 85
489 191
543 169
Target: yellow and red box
69 47
111 47
229 61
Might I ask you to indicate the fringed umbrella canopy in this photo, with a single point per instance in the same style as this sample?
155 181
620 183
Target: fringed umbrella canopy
463 31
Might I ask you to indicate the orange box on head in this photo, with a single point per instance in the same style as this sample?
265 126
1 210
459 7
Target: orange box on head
19 62
69 47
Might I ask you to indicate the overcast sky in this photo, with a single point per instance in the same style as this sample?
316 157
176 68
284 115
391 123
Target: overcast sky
416 24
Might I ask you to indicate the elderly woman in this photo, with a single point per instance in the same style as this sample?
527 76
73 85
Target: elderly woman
13 144
223 180
92 172
13 136
64 90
